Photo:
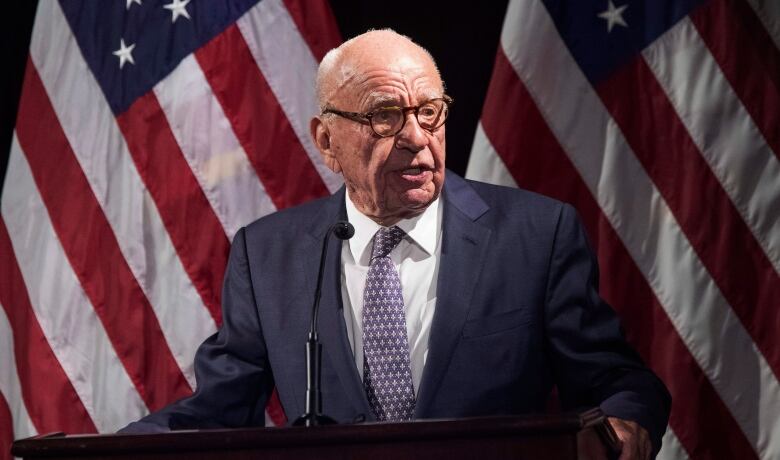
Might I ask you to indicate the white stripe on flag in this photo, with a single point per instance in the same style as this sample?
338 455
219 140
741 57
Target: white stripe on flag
210 147
64 312
768 11
722 129
290 68
671 448
101 151
10 386
485 164
644 223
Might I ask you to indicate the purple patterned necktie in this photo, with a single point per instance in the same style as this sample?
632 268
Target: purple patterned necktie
387 372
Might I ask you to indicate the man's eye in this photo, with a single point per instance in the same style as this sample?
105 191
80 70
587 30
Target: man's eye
428 111
385 115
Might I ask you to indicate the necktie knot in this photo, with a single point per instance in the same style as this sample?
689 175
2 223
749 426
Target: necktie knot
385 239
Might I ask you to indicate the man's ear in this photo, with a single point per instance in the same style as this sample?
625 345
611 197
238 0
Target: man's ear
321 135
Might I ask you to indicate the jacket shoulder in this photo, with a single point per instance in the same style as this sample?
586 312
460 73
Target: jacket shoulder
510 202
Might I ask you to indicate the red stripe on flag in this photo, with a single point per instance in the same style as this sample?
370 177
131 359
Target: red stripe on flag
262 128
51 401
663 145
195 231
316 23
748 58
537 162
92 249
665 352
6 429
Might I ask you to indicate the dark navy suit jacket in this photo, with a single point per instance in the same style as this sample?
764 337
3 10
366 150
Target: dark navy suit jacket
517 312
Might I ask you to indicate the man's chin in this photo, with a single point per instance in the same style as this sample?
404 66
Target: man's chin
417 198
406 208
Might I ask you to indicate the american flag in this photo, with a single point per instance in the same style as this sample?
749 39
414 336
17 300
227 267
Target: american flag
660 122
148 133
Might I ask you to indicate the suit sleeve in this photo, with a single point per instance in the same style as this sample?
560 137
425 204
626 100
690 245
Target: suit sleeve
593 363
233 377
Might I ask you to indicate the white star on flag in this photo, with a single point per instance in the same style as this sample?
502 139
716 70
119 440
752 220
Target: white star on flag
124 53
178 8
130 2
613 16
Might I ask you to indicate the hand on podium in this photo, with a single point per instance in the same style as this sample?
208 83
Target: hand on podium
634 440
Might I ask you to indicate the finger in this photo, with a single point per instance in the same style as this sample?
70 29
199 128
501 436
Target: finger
629 450
647 448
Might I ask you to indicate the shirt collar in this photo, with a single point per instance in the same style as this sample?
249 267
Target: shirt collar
423 229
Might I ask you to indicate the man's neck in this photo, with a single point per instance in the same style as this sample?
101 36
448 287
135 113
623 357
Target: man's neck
423 228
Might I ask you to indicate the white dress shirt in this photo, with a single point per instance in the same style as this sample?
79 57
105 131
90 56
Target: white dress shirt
417 260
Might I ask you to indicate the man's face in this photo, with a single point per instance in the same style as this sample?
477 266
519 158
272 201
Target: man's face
388 178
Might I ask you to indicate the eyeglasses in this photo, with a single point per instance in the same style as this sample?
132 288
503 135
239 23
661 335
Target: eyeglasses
389 121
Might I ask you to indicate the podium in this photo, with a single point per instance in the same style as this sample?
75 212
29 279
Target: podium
561 436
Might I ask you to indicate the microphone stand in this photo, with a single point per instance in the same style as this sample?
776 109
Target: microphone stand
313 415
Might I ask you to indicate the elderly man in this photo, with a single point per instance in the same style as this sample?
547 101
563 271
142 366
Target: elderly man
453 298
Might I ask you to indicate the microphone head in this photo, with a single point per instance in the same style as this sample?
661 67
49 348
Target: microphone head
343 230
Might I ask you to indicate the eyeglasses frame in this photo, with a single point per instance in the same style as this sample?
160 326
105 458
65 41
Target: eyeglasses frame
365 118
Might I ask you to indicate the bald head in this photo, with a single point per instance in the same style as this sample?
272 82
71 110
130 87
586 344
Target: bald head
387 48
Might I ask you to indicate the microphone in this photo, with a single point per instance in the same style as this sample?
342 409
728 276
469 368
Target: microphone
313 415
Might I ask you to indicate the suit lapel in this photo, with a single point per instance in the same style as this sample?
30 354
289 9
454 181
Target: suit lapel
332 330
462 254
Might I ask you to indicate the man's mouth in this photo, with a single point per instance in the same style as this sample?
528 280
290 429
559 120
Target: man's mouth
417 176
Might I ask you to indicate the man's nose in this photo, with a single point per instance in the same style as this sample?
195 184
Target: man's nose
412 136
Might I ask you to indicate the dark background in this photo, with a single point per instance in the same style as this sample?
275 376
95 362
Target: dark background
462 37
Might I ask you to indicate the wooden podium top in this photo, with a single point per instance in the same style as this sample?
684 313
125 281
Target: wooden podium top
552 436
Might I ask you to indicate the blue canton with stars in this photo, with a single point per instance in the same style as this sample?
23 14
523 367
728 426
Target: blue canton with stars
603 35
148 38
387 371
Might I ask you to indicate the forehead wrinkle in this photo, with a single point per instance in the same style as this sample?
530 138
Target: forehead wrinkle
387 92
405 75
427 92
379 98
403 91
